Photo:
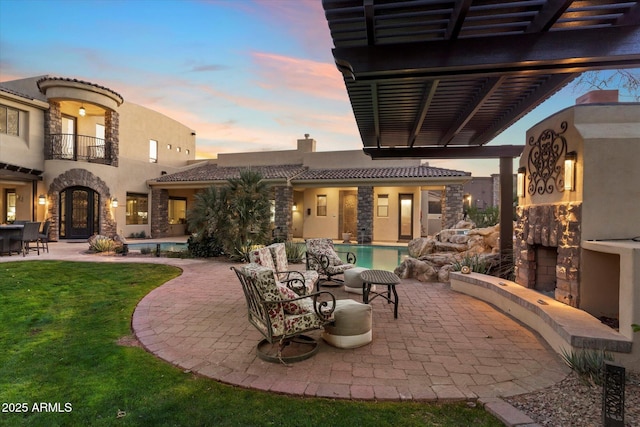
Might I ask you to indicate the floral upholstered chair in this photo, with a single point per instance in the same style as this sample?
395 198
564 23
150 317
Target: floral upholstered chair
279 254
282 316
275 259
323 258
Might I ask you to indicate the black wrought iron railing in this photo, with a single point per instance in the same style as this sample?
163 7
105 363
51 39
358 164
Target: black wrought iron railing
65 146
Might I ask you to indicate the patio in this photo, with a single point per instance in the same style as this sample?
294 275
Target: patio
443 346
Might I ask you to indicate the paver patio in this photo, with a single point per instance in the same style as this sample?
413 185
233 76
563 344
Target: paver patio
443 346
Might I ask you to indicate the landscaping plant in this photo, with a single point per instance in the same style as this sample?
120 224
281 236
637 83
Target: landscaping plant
234 218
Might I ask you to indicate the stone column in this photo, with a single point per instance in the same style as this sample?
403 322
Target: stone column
52 126
284 213
111 131
365 214
159 213
452 205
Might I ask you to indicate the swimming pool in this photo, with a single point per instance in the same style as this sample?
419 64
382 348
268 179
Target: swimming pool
378 257
152 247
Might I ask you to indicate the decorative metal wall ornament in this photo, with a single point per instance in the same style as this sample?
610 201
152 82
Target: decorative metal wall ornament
545 161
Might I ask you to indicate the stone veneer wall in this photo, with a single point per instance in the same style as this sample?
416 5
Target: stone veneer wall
284 214
159 213
452 205
365 214
550 226
52 126
111 131
83 178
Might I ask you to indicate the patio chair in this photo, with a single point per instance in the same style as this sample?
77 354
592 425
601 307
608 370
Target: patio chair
43 237
323 258
268 257
279 254
28 235
282 316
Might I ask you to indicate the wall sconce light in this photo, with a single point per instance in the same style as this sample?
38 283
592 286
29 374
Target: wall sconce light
41 199
521 181
114 202
570 171
82 111
294 207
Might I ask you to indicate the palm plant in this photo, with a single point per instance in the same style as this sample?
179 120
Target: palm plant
236 217
248 207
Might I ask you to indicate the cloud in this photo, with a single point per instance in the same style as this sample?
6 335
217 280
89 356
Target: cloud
208 67
318 79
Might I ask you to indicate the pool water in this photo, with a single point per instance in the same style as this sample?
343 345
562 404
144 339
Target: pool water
378 257
164 246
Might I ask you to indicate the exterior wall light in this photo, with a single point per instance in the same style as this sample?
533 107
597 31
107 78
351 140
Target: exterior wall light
114 202
294 207
521 181
570 171
82 111
41 199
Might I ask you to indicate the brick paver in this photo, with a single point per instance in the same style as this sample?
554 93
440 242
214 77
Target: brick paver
443 346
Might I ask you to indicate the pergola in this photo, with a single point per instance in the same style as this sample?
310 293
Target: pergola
442 78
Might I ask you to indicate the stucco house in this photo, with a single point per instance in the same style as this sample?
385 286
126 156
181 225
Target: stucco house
77 154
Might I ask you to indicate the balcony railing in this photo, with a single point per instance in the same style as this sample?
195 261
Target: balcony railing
65 146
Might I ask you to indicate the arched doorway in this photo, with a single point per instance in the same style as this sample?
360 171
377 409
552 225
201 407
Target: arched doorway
79 212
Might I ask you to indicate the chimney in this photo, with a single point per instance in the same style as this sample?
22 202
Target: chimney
598 97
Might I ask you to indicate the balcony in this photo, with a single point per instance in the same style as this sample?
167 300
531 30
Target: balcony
79 148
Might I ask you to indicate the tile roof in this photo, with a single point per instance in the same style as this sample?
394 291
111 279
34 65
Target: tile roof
380 173
212 172
66 79
15 92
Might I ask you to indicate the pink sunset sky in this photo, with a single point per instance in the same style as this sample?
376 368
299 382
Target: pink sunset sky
245 75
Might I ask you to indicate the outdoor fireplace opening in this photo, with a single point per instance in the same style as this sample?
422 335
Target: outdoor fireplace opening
600 286
546 259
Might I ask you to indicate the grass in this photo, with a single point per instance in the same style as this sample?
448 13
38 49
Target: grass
60 323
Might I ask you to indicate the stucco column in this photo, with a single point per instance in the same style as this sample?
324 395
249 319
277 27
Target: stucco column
284 213
365 214
111 130
452 205
159 213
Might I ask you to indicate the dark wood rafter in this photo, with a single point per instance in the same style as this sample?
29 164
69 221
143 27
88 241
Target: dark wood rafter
474 106
457 19
454 73
548 15
427 97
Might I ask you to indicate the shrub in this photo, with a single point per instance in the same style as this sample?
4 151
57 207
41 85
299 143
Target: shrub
102 244
295 251
204 248
484 218
476 263
588 364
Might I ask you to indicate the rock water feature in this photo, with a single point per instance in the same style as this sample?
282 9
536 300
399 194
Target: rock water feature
432 258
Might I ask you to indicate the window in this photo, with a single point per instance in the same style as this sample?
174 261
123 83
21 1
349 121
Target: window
153 151
9 120
321 205
383 205
177 210
137 209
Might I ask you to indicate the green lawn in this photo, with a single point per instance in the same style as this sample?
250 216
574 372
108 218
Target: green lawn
59 327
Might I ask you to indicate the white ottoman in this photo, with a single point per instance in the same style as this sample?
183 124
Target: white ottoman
351 327
353 282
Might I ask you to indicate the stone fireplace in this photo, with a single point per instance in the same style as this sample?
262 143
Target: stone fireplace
577 221
547 248
577 232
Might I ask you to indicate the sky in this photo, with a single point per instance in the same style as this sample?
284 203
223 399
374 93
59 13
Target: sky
246 75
